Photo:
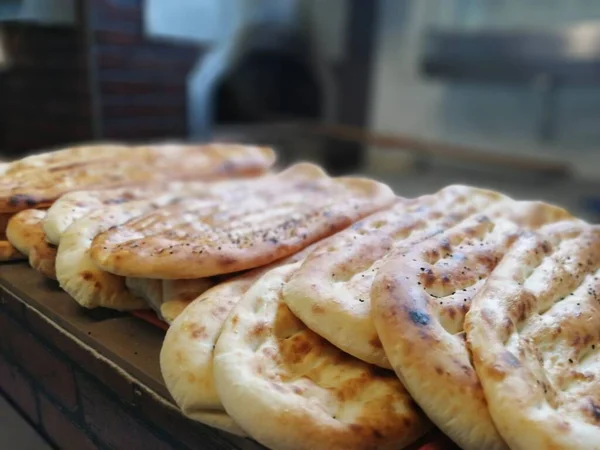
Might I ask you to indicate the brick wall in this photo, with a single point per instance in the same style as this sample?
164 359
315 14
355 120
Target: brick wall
77 400
141 82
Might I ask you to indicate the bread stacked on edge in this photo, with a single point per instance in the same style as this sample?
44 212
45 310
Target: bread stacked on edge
311 312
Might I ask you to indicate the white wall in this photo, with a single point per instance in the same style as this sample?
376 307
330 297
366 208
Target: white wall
495 117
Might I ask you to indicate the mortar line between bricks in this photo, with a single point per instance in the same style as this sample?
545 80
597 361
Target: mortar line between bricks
79 421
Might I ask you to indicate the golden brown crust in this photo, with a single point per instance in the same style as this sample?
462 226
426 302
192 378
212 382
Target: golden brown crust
24 229
534 331
331 292
38 182
245 224
420 298
8 252
291 389
42 257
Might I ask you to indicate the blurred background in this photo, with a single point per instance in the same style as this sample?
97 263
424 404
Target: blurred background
498 93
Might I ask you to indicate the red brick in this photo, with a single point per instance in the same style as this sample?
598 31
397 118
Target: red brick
111 422
80 355
54 374
16 387
61 430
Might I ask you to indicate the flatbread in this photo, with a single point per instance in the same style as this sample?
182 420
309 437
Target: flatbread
75 205
288 388
534 331
24 229
42 257
29 187
76 272
248 224
419 299
186 357
331 292
168 298
25 232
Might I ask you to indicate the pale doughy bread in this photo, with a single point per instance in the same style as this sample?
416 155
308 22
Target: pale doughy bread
24 229
168 298
26 187
76 272
288 388
534 331
331 292
248 224
186 357
420 297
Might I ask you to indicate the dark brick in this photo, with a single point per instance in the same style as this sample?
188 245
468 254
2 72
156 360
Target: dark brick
4 334
11 304
16 387
191 433
81 356
61 430
54 374
111 422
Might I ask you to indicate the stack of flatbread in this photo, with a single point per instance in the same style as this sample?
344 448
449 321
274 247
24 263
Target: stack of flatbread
38 181
474 301
311 312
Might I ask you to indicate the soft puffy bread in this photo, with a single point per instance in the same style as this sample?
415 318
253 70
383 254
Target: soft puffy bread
420 297
77 273
28 187
168 298
248 224
42 257
534 331
24 229
72 206
288 388
25 232
331 292
186 357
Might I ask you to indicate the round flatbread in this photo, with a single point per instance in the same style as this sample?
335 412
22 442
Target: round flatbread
246 224
186 357
534 331
420 297
24 229
288 388
331 292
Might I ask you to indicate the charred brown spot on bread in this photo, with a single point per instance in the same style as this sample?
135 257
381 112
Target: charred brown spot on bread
98 285
419 318
376 342
234 320
299 348
191 377
87 276
197 332
259 330
595 410
439 370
